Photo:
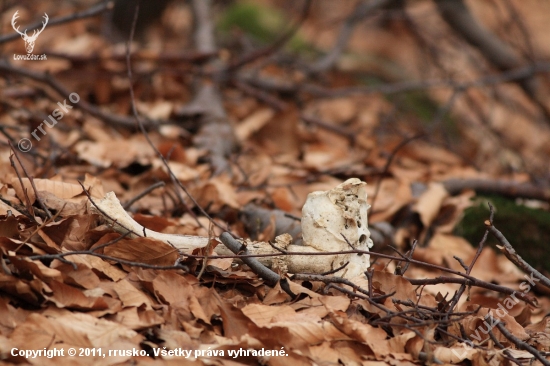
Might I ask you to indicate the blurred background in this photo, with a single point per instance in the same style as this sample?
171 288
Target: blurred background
264 101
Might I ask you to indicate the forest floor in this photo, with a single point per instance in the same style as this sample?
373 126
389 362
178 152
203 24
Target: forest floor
201 135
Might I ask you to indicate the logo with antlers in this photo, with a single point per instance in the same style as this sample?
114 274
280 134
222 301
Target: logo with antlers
29 40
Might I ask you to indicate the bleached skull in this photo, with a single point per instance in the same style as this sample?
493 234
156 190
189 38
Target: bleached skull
336 220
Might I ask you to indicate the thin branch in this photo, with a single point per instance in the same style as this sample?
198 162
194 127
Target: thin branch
508 250
505 188
469 268
387 166
268 275
105 257
137 120
261 95
465 277
48 79
363 10
142 194
409 86
497 52
522 345
266 51
23 189
349 135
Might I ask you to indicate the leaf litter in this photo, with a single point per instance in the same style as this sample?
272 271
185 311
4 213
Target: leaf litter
71 281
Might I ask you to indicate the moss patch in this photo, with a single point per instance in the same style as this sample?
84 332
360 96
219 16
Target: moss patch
527 229
263 23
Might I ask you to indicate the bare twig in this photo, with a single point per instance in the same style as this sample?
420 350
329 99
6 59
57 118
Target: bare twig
399 269
23 189
457 15
508 250
142 194
59 256
360 12
521 345
408 86
387 166
207 250
464 280
48 79
266 51
498 53
501 187
139 122
40 227
261 95
469 268
268 275
349 135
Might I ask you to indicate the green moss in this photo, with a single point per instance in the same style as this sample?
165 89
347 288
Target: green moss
253 19
412 104
527 229
419 104
265 24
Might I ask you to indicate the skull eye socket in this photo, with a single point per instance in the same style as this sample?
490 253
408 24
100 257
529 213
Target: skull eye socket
362 239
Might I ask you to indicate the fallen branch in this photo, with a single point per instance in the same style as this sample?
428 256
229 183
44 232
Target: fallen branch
522 345
501 187
508 250
497 52
48 79
360 12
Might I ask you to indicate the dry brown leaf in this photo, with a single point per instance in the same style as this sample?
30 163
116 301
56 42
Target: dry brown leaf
253 123
109 270
21 289
129 295
338 110
83 276
64 207
137 319
65 296
175 290
375 338
83 330
154 223
264 315
140 250
321 306
59 189
215 193
388 283
442 248
429 203
5 209
392 196
9 227
35 268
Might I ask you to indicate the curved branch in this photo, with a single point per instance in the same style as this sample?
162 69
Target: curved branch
497 52
360 12
48 79
458 16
